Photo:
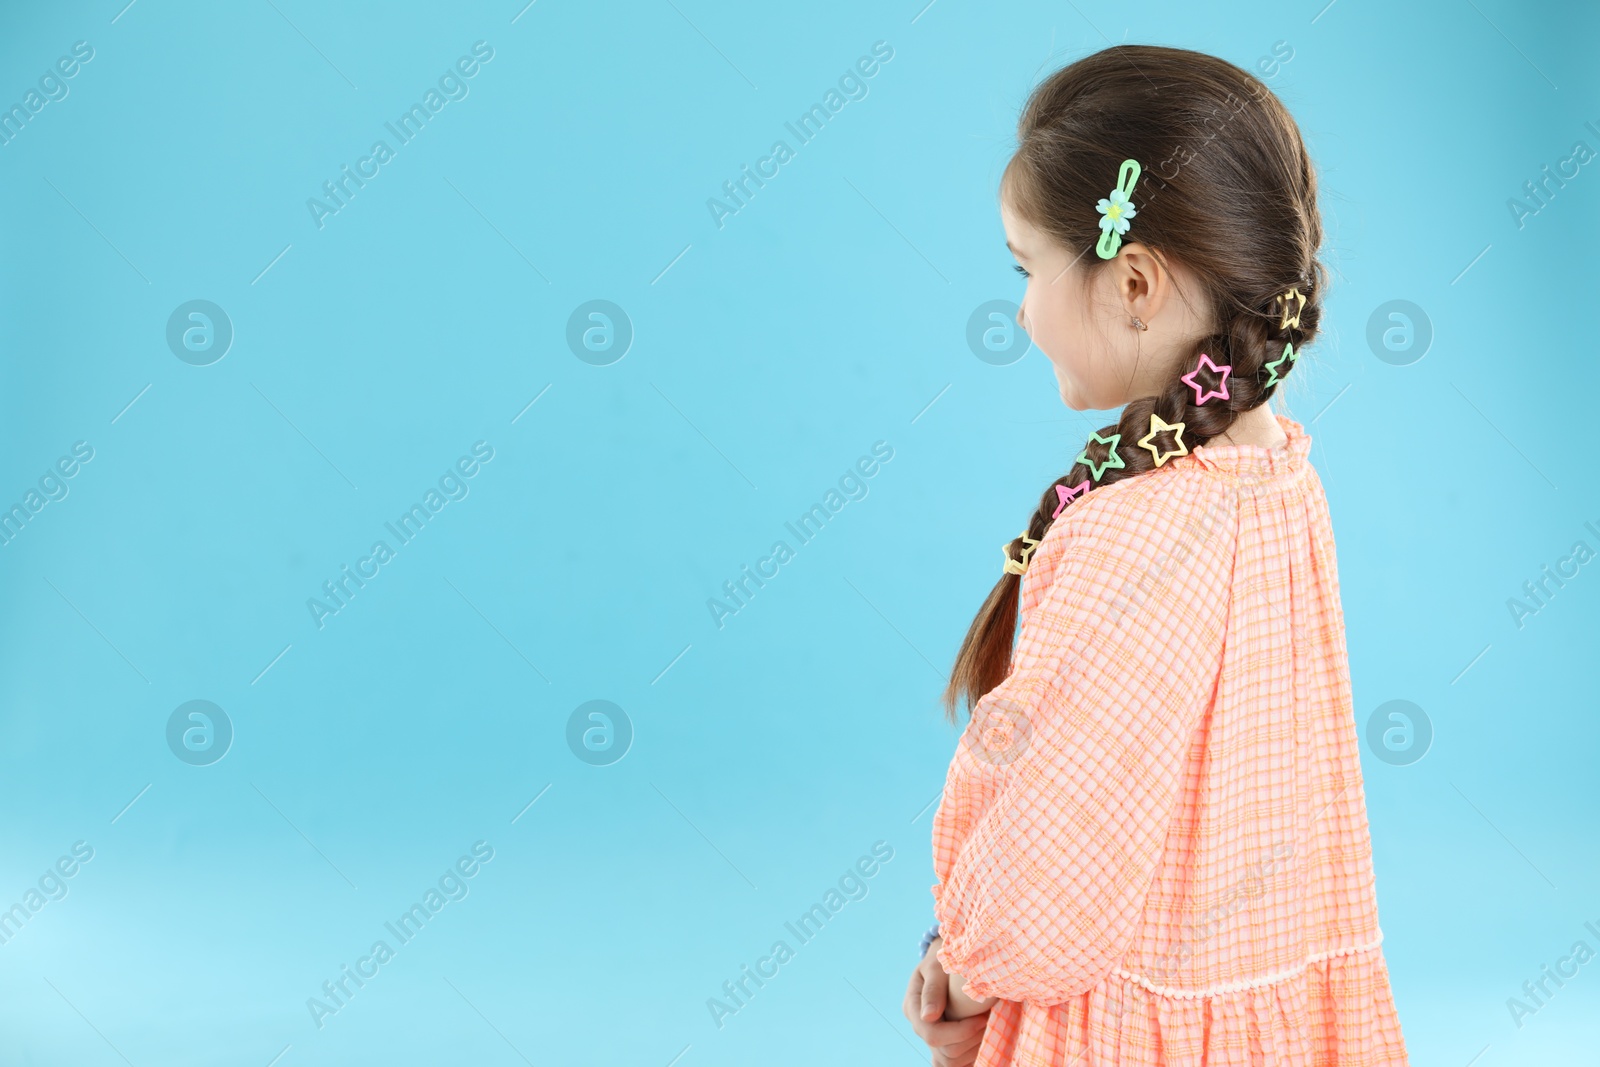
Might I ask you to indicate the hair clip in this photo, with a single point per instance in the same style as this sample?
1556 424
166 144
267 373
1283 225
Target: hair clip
1160 425
1065 495
1202 395
1274 377
1096 471
1291 321
1117 209
1013 566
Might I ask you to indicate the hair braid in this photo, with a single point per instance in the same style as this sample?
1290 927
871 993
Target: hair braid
1249 341
1242 210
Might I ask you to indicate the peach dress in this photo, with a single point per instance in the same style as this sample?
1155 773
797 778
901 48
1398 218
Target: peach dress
1152 845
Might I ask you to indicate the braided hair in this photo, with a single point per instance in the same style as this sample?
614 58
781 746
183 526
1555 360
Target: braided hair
1228 190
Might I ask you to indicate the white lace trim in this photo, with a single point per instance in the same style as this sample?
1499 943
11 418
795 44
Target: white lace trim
1249 983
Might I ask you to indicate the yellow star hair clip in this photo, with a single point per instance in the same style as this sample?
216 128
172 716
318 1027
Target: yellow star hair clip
1291 321
1019 567
1160 425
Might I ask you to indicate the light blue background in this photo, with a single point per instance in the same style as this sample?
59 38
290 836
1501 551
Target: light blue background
769 355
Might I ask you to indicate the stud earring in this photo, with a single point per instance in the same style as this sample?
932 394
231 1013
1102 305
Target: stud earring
1140 324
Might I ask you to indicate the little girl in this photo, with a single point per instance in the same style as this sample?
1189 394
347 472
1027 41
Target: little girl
1152 846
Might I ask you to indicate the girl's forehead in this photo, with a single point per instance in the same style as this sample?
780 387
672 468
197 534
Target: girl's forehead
1018 230
1022 237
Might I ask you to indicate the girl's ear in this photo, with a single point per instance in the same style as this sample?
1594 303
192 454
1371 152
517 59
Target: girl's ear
1143 283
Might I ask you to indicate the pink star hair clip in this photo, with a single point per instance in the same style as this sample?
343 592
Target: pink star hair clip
1202 395
1065 495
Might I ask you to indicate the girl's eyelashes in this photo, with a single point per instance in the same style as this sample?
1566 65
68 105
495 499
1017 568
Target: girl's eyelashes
1019 270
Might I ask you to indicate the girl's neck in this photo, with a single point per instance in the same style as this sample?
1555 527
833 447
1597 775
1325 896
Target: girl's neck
1258 427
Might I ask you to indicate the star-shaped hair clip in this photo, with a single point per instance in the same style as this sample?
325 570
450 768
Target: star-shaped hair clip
1019 566
1160 425
1202 395
1112 460
1065 495
1291 321
1273 377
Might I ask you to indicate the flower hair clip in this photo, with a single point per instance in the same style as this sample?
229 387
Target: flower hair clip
1116 209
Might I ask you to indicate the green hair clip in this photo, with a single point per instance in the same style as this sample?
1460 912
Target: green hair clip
1098 470
1117 209
1273 377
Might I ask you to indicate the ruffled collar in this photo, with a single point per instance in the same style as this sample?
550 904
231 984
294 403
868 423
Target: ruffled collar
1289 458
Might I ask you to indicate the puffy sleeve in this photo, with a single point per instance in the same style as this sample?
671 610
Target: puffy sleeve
1056 806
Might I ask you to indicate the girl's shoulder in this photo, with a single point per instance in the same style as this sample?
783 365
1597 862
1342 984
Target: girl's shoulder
1187 483
1135 525
1138 506
1191 499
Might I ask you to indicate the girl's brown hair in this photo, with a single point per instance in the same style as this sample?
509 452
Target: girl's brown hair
1226 189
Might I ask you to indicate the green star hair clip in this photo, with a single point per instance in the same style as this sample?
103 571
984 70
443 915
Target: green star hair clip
1116 209
1273 377
1112 458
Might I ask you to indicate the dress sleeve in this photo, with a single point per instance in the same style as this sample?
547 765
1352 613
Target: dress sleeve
1057 803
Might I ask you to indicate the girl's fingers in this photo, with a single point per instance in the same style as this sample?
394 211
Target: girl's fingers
964 1048
951 1032
935 994
964 1055
958 1040
912 1004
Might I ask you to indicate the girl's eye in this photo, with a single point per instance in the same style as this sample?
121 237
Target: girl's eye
1019 270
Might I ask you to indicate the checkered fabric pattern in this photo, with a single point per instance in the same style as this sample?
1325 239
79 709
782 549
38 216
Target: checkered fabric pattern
1152 845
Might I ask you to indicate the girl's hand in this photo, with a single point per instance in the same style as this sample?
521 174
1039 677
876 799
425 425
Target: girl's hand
962 1006
954 1040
